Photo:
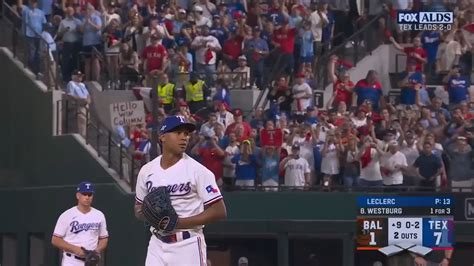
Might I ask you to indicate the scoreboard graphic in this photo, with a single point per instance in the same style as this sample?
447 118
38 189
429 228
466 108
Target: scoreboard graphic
392 224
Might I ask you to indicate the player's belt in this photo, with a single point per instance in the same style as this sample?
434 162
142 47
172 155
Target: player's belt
174 237
76 257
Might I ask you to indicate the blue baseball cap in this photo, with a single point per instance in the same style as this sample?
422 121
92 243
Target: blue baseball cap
85 187
171 123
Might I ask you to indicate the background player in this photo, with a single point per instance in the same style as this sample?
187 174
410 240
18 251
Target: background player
194 195
81 226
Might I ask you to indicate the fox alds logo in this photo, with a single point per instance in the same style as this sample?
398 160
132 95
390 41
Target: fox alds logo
404 17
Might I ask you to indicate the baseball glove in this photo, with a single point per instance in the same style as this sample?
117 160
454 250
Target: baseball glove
92 257
158 210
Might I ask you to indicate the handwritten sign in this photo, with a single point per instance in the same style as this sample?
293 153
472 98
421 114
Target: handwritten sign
127 113
271 137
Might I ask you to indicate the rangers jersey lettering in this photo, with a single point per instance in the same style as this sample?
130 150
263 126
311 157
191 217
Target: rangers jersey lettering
81 229
191 185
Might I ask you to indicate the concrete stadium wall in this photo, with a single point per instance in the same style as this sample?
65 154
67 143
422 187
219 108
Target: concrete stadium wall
28 122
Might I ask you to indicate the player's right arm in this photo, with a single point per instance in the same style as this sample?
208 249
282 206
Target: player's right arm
63 245
58 237
141 191
138 211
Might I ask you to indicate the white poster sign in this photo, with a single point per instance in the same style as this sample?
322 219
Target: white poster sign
127 113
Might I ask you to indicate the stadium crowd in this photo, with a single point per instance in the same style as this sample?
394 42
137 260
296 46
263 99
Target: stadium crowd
190 52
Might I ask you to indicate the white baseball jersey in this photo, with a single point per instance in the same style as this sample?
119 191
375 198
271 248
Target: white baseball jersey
295 169
81 229
300 104
191 185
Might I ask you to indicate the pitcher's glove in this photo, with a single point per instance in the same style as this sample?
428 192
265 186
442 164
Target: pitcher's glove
92 257
158 210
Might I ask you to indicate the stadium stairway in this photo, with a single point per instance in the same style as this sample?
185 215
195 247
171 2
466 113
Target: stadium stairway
34 146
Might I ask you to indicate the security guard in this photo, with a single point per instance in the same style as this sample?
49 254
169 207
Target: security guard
165 90
196 92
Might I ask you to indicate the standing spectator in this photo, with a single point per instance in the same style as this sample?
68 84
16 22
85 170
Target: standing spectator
267 34
360 118
220 28
283 39
392 164
128 64
232 49
196 91
112 37
330 165
179 21
302 95
246 165
368 89
297 171
318 21
207 8
206 47
450 53
155 60
281 96
92 42
457 86
210 124
142 150
328 28
166 93
437 107
33 20
49 55
223 115
307 46
409 149
199 18
414 53
428 166
270 159
256 50
133 30
258 118
211 154
461 156
342 85
350 163
222 94
68 32
228 174
410 83
77 91
239 121
110 13
242 74
369 157
431 41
